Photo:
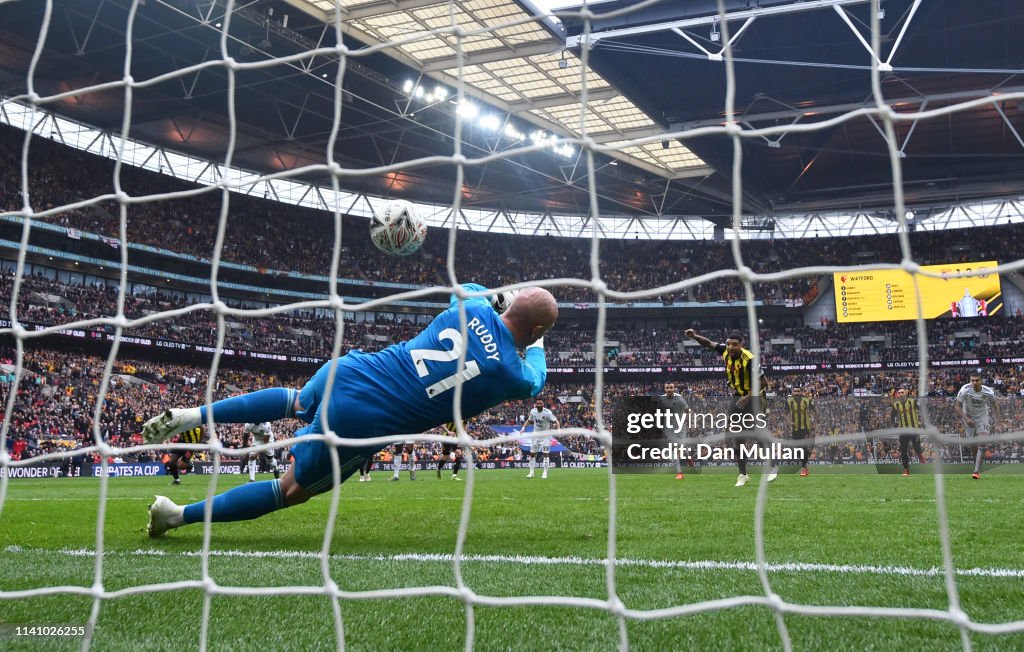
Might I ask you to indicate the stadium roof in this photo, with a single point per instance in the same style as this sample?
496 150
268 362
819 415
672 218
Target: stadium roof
523 69
798 63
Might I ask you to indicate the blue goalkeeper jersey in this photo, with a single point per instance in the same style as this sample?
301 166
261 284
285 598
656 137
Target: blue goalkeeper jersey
410 387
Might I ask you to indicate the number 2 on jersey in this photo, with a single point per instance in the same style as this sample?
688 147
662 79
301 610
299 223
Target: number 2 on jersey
420 356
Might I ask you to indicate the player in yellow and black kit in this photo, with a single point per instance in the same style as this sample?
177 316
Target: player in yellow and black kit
173 463
800 408
740 367
835 451
906 415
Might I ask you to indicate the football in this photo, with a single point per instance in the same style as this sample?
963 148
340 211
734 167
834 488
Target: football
397 229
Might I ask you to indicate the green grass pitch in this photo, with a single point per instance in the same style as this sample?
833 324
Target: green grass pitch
397 534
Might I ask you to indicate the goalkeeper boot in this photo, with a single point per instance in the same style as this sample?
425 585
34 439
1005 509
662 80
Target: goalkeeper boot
906 473
169 423
803 472
976 476
162 513
742 479
679 476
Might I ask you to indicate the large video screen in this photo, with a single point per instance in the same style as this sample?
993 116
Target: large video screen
889 295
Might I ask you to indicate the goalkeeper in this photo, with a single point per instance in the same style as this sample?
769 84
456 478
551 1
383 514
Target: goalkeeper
406 388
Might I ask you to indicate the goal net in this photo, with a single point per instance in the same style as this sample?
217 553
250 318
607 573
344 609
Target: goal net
33 111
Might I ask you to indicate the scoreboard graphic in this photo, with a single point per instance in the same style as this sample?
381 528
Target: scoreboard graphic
890 295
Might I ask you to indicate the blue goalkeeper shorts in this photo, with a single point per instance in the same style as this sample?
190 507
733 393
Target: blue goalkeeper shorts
313 466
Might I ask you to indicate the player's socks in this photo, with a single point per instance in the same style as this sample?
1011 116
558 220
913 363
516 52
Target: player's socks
174 467
242 503
456 465
412 466
252 470
256 407
533 465
977 460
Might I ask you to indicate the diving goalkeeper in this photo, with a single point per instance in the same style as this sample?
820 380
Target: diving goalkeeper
406 388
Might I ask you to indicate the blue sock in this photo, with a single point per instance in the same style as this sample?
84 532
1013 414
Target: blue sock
242 503
256 407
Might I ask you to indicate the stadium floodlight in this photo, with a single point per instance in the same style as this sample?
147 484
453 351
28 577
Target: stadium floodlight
408 86
467 109
490 121
512 132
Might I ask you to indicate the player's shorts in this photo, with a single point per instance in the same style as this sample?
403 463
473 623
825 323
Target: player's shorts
807 446
981 427
754 407
263 456
671 434
313 467
906 440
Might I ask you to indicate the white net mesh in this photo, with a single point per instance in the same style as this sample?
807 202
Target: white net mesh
462 590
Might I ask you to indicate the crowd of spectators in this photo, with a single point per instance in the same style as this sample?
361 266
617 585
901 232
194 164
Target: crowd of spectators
274 236
45 301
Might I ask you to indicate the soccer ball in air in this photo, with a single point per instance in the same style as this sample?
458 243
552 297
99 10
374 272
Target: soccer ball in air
396 229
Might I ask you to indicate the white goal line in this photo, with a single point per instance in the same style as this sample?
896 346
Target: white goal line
536 560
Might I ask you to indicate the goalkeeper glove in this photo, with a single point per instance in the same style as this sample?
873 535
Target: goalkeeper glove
501 301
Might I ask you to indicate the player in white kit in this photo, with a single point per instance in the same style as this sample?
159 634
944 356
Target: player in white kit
406 450
976 404
676 404
259 434
543 420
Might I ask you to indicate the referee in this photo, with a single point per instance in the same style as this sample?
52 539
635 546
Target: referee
740 367
800 408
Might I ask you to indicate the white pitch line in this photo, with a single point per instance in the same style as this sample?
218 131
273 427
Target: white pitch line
528 560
